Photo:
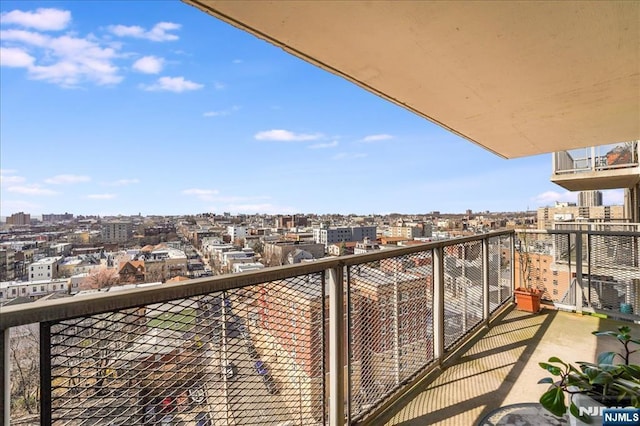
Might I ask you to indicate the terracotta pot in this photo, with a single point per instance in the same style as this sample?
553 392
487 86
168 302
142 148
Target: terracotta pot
528 300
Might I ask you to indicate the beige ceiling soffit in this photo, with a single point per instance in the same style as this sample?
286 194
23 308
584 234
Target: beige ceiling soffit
516 78
204 6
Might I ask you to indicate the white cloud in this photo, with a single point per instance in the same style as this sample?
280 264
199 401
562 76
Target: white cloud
324 145
551 197
348 156
149 65
122 182
285 136
15 57
221 113
31 190
202 194
101 196
237 61
66 179
43 19
66 60
159 32
172 84
376 138
219 86
7 177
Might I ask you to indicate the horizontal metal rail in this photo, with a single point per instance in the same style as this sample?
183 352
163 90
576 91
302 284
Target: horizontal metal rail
72 307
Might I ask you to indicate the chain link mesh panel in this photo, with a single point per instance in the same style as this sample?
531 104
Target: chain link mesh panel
500 284
246 356
462 290
391 325
613 278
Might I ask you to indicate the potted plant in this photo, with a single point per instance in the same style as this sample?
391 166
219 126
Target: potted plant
527 297
604 383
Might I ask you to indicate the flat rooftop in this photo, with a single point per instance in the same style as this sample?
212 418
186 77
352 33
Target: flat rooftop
502 367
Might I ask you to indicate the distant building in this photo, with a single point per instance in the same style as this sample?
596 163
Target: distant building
237 232
277 253
548 216
19 219
53 218
45 269
7 265
589 198
328 236
366 246
117 231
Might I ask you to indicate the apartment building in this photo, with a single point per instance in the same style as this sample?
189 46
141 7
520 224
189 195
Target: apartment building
567 212
19 219
117 231
45 269
7 264
328 236
277 253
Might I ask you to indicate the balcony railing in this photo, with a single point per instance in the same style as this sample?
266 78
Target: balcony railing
336 340
587 267
597 158
318 343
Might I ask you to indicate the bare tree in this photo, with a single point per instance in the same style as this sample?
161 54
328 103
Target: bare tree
25 369
102 278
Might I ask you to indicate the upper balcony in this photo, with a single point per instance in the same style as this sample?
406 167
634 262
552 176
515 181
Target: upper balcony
599 167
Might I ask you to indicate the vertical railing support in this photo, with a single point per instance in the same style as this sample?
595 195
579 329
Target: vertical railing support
336 346
579 290
438 304
486 311
45 374
5 379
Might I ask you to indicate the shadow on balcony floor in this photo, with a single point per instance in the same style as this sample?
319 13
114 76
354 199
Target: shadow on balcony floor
502 367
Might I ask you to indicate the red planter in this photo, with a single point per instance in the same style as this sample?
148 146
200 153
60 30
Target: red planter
528 300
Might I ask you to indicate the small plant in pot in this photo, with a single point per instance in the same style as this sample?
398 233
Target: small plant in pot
527 297
608 383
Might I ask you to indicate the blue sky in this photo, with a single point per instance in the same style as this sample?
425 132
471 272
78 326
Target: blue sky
127 107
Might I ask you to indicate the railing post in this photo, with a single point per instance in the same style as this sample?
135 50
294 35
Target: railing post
579 290
485 281
336 346
5 379
438 303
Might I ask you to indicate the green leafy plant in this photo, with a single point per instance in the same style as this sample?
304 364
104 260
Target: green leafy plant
608 383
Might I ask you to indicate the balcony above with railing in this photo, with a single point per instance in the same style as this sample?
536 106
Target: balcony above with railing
599 167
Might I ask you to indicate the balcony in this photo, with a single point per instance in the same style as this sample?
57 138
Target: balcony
342 339
600 167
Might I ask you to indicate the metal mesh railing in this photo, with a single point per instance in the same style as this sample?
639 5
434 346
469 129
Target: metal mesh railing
253 355
463 293
391 325
257 352
500 271
613 276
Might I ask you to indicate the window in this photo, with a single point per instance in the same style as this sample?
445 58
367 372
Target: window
48 266
13 291
41 288
34 289
555 272
555 291
24 290
555 282
54 287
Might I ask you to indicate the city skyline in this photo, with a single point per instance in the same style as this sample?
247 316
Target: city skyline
118 108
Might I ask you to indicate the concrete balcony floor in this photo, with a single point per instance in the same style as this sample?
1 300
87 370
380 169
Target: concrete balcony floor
501 368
